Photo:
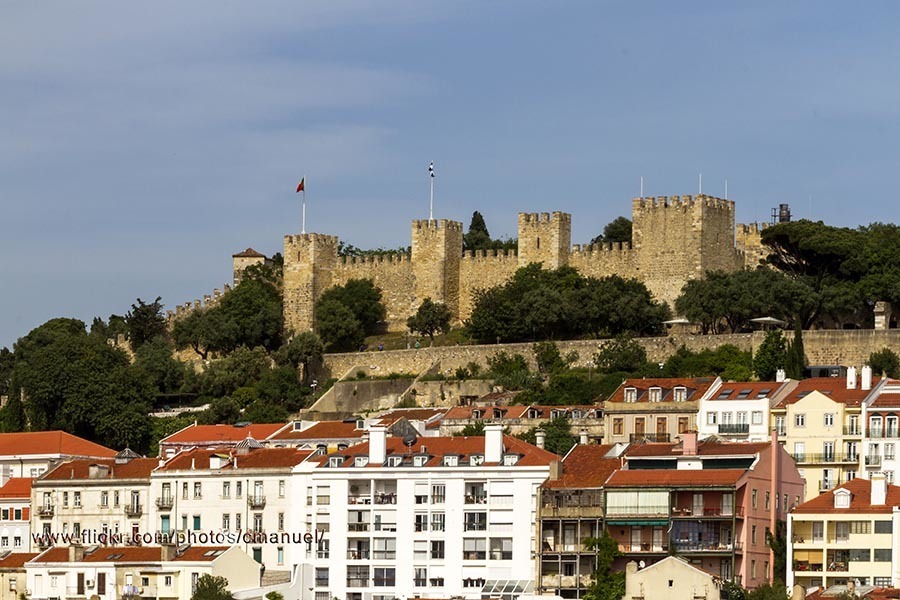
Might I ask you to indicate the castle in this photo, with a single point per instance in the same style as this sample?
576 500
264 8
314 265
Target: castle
674 239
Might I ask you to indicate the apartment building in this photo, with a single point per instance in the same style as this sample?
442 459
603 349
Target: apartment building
819 421
881 432
320 436
430 517
571 511
710 501
28 454
246 490
655 410
847 535
739 411
582 419
15 514
94 497
12 574
114 572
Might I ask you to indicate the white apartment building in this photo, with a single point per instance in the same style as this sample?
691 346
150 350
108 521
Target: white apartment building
430 517
881 429
28 454
92 497
738 411
15 512
244 490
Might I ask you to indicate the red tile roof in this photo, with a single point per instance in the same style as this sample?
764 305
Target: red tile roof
860 500
136 468
438 447
696 387
675 477
131 554
323 430
248 253
16 487
410 414
833 387
257 458
585 466
50 442
486 412
16 560
707 447
221 434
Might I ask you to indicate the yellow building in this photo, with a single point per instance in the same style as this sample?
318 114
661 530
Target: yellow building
819 423
846 535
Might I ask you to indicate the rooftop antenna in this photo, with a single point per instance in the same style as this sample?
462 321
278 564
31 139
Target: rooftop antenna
701 184
726 188
431 198
642 186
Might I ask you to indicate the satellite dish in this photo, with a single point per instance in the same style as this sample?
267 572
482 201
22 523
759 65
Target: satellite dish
409 439
642 564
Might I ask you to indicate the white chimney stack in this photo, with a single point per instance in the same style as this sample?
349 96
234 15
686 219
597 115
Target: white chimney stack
583 437
539 438
780 376
377 444
879 490
851 378
493 442
866 378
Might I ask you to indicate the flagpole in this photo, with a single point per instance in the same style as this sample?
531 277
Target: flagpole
431 199
303 221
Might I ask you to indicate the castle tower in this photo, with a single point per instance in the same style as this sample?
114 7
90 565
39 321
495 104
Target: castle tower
545 238
680 238
436 253
309 263
242 260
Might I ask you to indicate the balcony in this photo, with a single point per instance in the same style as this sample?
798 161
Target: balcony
257 501
134 510
565 581
827 458
853 431
360 554
692 546
357 526
45 511
165 503
646 547
880 433
734 428
359 499
386 498
873 461
827 484
476 498
712 511
623 512
650 437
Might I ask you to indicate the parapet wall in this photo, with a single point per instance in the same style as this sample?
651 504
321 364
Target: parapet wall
392 274
602 260
209 300
482 270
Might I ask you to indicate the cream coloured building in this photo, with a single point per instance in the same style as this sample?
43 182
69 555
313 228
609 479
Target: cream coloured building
672 577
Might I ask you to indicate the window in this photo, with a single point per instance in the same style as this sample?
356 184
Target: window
451 460
437 548
17 541
742 417
474 549
889 452
780 428
238 489
226 489
184 490
630 394
198 489
76 499
711 418
757 417
753 569
501 549
66 499
12 584
842 531
384 577
167 581
4 541
116 498
683 424
800 420
475 521
281 521
655 394
438 493
323 495
420 577
104 499
421 522
237 521
726 418
281 488
876 427
679 394
859 527
768 500
882 555
799 451
618 426
753 535
196 522
437 521
226 521
829 420
753 498
360 461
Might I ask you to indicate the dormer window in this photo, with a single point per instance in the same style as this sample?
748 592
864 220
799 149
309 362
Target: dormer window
360 424
555 414
419 461
451 460
679 394
476 414
655 394
394 461
534 413
498 414
335 461
476 460
842 499
630 394
576 414
321 449
510 459
360 461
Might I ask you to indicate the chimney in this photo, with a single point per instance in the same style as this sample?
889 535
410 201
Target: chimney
780 376
879 490
493 442
76 553
216 461
377 444
168 551
631 568
689 443
540 437
866 378
555 470
97 471
851 378
583 437
4 475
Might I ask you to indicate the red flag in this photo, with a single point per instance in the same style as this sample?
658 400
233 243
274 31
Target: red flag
300 185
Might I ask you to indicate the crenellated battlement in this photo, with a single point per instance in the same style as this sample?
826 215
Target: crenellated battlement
538 218
616 247
490 254
388 257
751 228
208 301
682 202
311 238
437 224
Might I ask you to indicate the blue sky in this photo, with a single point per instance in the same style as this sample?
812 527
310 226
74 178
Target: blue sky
141 144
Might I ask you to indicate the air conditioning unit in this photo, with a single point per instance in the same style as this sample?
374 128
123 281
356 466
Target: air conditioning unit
89 583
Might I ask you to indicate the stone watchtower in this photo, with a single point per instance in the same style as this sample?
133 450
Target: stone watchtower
242 260
436 253
309 263
545 238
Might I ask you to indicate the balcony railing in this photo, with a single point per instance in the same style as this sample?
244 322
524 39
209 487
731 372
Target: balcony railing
386 498
650 437
476 498
827 484
357 554
359 499
256 501
165 503
629 547
357 526
734 428
620 512
45 511
818 458
134 510
853 430
873 461
884 433
706 546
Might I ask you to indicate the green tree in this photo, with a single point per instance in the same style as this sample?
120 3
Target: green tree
251 315
302 350
770 356
338 327
477 238
155 360
12 416
430 318
616 231
548 358
621 354
242 368
605 584
777 541
280 386
471 430
145 322
7 362
885 361
363 300
558 439
274 596
261 411
211 587
221 410
726 361
767 591
795 357
199 330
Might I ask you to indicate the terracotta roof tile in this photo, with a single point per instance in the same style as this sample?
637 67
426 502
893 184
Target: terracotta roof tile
860 500
248 253
16 560
585 466
833 387
675 477
131 554
707 447
16 487
486 412
50 442
221 434
323 430
258 458
696 387
137 468
410 414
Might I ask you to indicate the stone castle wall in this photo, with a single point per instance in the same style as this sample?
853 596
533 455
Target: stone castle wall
674 239
748 240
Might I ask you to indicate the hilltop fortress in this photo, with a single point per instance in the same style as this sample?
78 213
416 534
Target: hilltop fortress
674 239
